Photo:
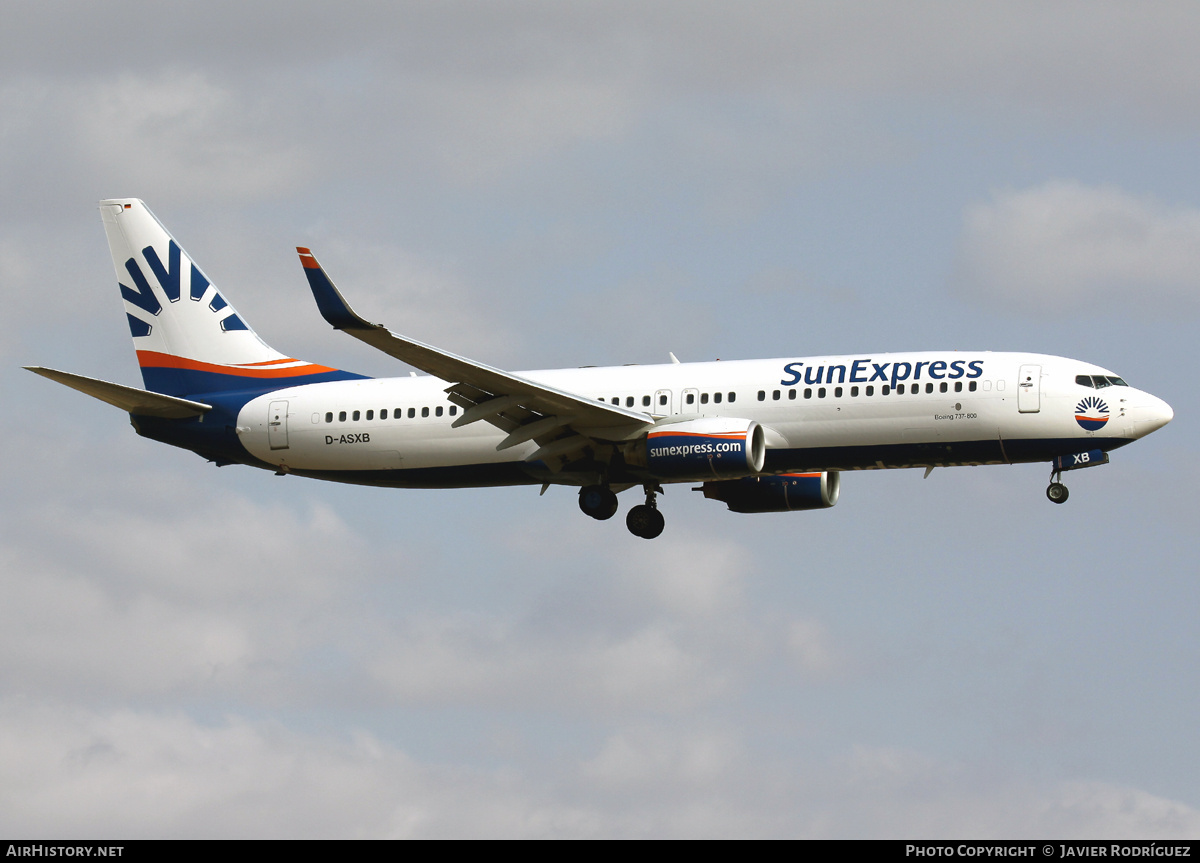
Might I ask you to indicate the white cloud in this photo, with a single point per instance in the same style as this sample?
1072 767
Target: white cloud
658 757
117 601
808 643
472 659
183 133
164 134
1066 245
487 125
69 772
886 792
75 773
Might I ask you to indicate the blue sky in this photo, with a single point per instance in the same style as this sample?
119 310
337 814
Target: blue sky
187 651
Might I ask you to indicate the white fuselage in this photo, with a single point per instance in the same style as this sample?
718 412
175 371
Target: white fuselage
838 412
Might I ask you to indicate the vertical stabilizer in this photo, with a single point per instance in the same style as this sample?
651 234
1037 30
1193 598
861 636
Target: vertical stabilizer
188 339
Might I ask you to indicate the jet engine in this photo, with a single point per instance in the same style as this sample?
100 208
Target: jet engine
789 492
701 449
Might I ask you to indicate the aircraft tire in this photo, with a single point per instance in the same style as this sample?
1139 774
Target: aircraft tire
1057 492
598 501
645 521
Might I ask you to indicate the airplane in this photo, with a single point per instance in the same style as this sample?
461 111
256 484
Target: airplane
770 435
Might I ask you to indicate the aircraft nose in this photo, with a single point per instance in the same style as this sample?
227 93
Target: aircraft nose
1153 414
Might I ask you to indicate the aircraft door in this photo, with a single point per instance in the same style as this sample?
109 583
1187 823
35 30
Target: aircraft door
277 433
662 403
1029 389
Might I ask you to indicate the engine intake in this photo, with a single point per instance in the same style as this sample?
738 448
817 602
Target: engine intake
789 492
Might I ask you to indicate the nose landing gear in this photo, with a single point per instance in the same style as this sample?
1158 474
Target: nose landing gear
1056 491
645 520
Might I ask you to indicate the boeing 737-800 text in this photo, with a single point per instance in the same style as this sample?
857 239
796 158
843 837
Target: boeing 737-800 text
759 435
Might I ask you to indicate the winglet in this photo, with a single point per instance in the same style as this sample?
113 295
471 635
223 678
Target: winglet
330 302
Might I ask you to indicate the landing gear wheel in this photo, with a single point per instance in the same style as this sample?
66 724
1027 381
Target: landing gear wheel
1057 492
598 501
645 521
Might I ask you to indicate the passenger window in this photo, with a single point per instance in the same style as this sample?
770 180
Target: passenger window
329 417
717 398
370 415
424 412
837 392
662 400
703 398
792 395
645 401
762 395
453 410
691 398
885 389
899 389
412 412
438 410
354 416
775 395
944 387
628 401
854 392
958 386
383 414
341 416
808 392
870 390
732 397
616 400
973 385
928 388
821 393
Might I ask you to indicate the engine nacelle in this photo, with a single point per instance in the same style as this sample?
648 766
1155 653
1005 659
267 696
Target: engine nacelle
701 449
789 492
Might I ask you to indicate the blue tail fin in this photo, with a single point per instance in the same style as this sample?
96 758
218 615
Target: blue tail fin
188 339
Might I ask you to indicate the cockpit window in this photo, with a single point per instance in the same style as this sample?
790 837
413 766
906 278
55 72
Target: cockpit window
1100 381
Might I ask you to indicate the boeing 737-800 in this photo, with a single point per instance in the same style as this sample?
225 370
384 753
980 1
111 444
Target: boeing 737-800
759 435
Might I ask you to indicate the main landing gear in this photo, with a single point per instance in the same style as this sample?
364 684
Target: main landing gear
598 501
645 520
1056 491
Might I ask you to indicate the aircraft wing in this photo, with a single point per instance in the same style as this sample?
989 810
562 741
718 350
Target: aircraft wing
561 422
131 399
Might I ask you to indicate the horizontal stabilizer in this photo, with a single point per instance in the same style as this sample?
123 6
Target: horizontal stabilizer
130 399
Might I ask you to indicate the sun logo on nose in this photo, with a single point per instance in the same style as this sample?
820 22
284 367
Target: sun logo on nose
1091 413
